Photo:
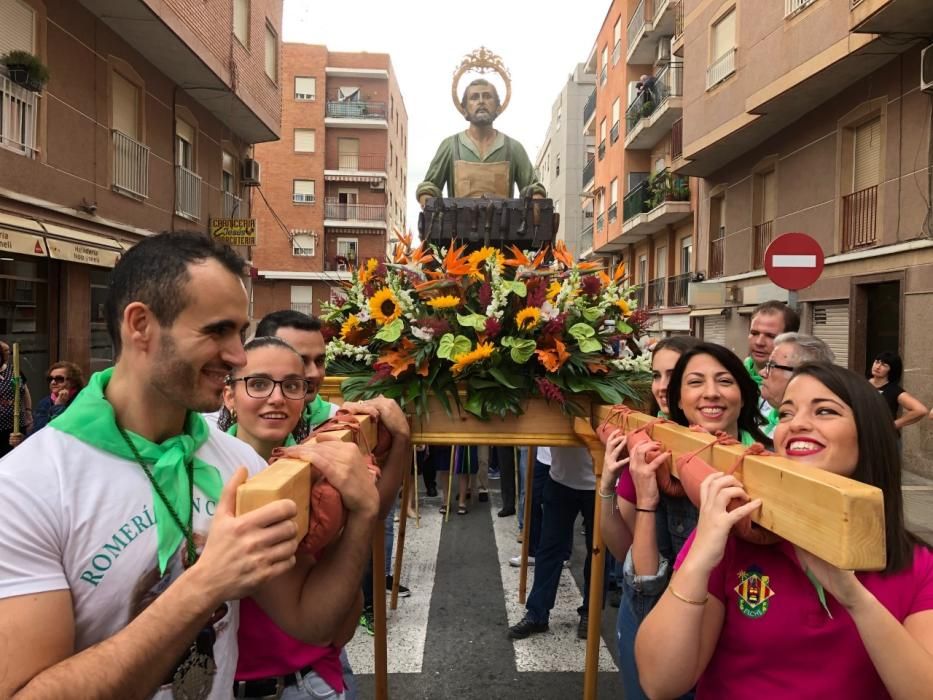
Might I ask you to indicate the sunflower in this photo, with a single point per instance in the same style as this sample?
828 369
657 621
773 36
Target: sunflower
464 360
351 324
445 302
477 258
624 307
384 306
528 318
366 272
553 290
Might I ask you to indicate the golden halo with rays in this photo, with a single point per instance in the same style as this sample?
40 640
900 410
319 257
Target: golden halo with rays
482 60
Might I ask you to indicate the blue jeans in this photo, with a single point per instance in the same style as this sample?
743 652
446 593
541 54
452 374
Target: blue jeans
560 507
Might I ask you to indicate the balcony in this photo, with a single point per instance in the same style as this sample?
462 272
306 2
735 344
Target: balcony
652 21
614 133
356 115
717 248
589 109
891 16
652 114
640 297
660 201
601 151
762 239
677 139
130 166
677 287
613 212
860 218
19 110
656 289
368 215
720 69
232 206
589 172
187 193
792 7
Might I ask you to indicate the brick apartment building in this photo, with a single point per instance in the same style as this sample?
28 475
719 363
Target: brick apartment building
333 189
146 121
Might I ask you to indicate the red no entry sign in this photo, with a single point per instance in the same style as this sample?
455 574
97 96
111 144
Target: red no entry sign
794 261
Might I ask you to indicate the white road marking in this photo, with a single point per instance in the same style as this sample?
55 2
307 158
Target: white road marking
558 649
793 261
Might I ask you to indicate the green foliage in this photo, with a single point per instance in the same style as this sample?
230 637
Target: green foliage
26 69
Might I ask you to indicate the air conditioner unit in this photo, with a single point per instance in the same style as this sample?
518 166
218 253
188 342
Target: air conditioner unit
251 173
378 186
926 69
664 51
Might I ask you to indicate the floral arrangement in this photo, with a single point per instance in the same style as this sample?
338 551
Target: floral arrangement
503 326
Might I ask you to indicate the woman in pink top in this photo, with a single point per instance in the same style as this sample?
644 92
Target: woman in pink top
744 620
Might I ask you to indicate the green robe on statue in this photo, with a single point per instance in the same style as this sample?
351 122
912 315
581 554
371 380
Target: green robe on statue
441 170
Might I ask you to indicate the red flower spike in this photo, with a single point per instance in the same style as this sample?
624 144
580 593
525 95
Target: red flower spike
485 294
493 328
549 390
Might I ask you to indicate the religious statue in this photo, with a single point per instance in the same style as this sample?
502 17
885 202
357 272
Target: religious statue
480 161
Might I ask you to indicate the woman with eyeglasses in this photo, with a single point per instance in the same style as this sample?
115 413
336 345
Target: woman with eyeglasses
65 381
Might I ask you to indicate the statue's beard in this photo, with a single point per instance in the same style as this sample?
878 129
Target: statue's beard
484 119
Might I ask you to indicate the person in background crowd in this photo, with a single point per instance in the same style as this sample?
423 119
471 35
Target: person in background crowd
7 438
886 372
542 468
790 351
65 381
769 320
745 620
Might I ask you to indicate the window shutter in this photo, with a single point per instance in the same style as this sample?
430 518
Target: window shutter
867 158
617 32
302 294
302 244
614 191
616 111
714 329
184 131
304 187
272 54
768 197
724 36
125 106
602 130
229 163
831 325
605 56
305 88
304 140
17 27
241 20
660 262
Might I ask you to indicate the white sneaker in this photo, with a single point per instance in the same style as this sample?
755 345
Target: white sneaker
567 564
517 561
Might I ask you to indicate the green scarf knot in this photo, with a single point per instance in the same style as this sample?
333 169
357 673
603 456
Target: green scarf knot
91 419
317 411
753 371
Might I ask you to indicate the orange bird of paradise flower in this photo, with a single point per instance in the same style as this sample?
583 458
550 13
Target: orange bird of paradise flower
553 358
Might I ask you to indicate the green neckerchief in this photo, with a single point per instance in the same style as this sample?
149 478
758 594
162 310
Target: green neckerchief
91 419
746 439
662 414
774 417
317 411
289 440
753 371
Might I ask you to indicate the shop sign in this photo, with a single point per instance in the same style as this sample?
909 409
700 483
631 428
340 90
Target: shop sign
234 231
81 253
22 243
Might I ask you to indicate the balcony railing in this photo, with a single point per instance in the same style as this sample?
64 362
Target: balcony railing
763 234
374 162
19 109
616 52
794 6
677 139
187 193
586 238
659 188
130 165
721 68
860 218
640 297
603 75
303 307
231 205
678 19
669 82
356 110
600 222
589 107
589 170
357 212
601 151
613 211
677 287
614 133
656 289
717 248
658 7
636 24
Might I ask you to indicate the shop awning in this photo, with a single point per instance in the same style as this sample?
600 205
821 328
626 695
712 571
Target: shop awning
705 312
344 177
21 235
75 245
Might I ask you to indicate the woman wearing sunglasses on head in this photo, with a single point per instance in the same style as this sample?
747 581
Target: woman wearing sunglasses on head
746 620
65 381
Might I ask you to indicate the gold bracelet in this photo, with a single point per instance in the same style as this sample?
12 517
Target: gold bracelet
687 600
607 496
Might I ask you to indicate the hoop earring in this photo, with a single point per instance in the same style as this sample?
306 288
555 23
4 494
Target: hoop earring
233 415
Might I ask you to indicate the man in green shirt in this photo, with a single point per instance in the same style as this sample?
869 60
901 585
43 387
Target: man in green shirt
769 320
481 160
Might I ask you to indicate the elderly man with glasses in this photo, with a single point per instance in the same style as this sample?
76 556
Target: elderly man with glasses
790 351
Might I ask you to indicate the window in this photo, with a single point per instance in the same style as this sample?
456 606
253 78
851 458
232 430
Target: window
602 131
184 144
304 140
303 241
614 191
125 106
303 191
686 254
348 154
228 179
305 89
17 27
617 32
643 269
347 248
272 54
605 57
241 21
722 50
867 155
616 111
660 262
557 166
302 297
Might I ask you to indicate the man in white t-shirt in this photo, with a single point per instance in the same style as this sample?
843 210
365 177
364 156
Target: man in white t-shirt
101 511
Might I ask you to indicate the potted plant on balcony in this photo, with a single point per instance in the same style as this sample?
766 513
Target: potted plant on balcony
647 109
26 70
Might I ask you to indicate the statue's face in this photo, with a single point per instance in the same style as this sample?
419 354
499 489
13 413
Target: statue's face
482 104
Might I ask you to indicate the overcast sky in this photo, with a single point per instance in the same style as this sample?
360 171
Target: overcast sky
540 44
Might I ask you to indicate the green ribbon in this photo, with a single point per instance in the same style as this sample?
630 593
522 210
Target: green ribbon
289 439
774 418
753 371
317 411
90 418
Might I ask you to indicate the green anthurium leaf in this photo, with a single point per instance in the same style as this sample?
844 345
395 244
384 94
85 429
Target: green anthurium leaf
475 321
391 332
590 345
475 404
517 288
500 377
623 327
592 313
508 341
522 351
581 331
452 345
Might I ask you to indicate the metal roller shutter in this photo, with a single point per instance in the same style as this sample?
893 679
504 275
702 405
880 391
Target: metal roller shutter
17 26
831 325
714 329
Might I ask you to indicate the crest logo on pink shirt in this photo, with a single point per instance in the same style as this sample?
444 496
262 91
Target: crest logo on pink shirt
754 592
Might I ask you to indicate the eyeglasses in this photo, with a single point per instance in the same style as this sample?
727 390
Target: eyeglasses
262 387
56 379
769 365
